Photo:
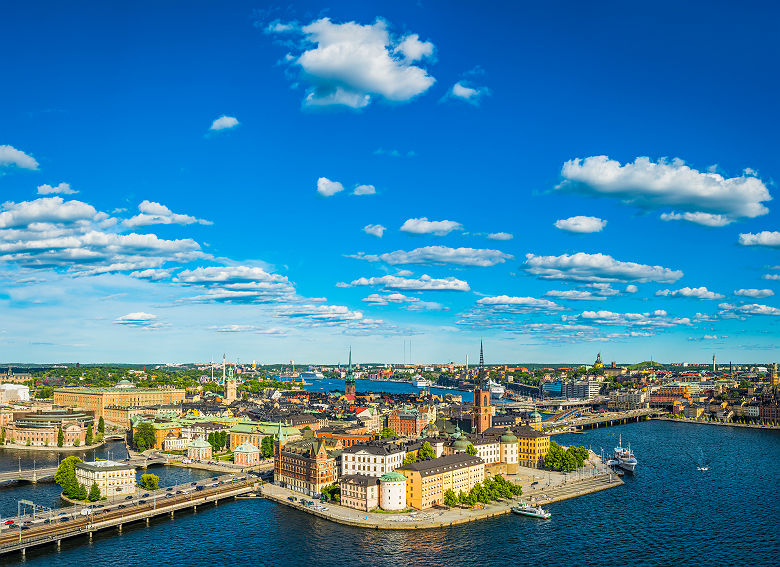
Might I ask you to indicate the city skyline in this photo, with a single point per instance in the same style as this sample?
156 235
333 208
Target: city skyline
284 183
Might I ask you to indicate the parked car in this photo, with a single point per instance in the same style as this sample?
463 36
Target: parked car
9 522
130 497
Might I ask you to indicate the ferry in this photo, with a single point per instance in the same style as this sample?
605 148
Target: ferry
532 511
625 457
420 382
704 468
311 376
496 390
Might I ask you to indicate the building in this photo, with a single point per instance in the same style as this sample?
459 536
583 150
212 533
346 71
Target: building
349 382
41 428
532 446
254 433
360 492
392 491
14 393
306 465
407 422
371 459
585 389
427 481
246 455
481 419
98 399
112 478
599 363
199 450
19 378
347 438
627 400
230 391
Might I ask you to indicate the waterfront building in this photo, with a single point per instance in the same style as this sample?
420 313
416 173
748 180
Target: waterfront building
372 459
199 450
509 452
112 478
246 455
392 491
41 428
532 446
360 492
162 429
306 465
627 400
482 418
427 481
98 399
14 393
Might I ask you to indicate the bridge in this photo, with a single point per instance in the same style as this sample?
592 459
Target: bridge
29 475
53 527
590 421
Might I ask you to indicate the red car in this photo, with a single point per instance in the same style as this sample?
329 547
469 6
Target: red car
9 522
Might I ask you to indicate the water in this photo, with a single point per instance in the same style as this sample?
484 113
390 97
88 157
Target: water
364 386
667 514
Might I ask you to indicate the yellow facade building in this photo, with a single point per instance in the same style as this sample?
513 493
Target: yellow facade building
532 446
427 481
98 399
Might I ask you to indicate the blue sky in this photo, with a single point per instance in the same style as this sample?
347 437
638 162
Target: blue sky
280 182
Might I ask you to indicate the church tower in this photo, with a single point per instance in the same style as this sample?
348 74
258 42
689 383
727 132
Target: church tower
482 416
349 383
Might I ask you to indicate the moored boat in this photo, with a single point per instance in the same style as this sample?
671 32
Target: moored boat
531 511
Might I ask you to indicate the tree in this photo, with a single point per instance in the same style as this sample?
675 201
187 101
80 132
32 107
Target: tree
144 437
80 493
101 425
388 432
88 437
470 450
450 498
60 437
410 458
223 439
76 442
267 446
28 442
150 481
212 441
426 452
2 436
66 476
94 492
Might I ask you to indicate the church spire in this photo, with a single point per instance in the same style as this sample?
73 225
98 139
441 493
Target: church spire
481 375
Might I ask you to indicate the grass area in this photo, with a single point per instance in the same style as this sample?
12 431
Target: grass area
224 456
175 452
380 511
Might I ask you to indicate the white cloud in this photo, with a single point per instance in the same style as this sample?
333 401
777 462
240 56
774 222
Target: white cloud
467 93
151 274
328 188
657 318
771 277
728 310
349 64
764 238
424 226
577 294
500 236
237 284
581 224
11 156
374 229
519 304
224 123
364 190
423 283
596 268
439 255
668 184
695 292
138 319
62 188
228 275
754 293
45 210
155 213
704 219
631 288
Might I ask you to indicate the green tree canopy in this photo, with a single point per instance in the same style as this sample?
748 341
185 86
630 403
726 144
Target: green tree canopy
101 425
94 492
470 450
426 452
66 476
60 437
150 481
88 437
388 432
267 446
144 437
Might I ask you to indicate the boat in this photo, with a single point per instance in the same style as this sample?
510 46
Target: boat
626 459
420 382
496 389
704 468
531 511
311 376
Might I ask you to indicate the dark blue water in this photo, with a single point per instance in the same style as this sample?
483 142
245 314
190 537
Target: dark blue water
667 514
363 386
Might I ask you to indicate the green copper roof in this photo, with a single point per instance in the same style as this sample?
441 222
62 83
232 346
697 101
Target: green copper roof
246 447
198 443
392 476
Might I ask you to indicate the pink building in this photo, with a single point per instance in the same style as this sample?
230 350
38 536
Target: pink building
246 455
199 450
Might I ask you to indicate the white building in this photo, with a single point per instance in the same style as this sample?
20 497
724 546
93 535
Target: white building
371 459
112 478
14 393
392 491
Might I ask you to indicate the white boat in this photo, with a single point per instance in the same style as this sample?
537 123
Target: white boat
625 457
532 511
311 376
496 389
420 382
704 468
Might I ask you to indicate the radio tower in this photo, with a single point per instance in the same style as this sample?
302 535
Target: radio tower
713 363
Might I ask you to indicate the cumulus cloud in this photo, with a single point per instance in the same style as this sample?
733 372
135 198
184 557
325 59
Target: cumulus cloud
764 238
500 236
596 268
519 304
581 224
11 156
423 283
631 288
138 319
754 293
350 64
237 284
62 188
657 318
375 230
439 255
155 213
771 277
669 184
224 123
151 274
405 301
328 188
729 311
424 226
575 294
364 190
46 210
695 292
467 92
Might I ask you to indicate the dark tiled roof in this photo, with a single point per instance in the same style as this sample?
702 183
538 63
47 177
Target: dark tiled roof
361 479
375 448
442 464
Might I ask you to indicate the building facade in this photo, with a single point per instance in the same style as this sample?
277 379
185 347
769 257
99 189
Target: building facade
360 492
112 478
427 481
306 465
98 399
371 459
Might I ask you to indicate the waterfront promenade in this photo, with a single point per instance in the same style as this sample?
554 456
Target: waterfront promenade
721 423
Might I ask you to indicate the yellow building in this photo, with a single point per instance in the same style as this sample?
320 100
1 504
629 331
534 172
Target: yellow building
98 399
532 446
427 481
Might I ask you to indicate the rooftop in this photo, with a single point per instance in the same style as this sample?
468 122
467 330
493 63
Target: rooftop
442 464
104 466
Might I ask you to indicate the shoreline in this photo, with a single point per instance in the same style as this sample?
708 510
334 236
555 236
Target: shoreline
53 447
432 518
700 422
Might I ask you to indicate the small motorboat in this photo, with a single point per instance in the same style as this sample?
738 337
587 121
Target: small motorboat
531 511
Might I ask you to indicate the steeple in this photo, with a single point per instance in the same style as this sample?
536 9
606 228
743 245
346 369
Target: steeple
280 434
481 377
349 382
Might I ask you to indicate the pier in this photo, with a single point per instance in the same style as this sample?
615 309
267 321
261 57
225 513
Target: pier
57 525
